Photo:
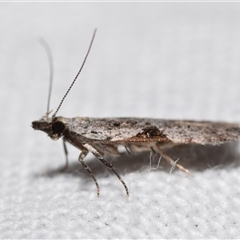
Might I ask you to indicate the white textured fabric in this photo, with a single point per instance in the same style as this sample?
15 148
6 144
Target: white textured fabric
162 60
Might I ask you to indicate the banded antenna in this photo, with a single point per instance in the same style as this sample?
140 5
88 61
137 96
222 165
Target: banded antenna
50 60
74 80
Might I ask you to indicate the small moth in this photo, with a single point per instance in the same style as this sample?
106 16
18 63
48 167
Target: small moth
103 136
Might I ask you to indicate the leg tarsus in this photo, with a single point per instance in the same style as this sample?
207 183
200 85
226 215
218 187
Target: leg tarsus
110 166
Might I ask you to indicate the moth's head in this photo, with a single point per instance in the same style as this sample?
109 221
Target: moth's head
53 126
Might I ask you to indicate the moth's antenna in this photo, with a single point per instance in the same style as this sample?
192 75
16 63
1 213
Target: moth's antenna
74 80
50 60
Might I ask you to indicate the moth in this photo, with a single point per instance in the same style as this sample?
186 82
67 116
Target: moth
104 136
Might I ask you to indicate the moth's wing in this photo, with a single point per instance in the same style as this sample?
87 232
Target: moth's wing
198 132
155 130
106 129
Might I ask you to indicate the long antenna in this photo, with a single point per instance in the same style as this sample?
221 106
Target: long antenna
50 60
74 80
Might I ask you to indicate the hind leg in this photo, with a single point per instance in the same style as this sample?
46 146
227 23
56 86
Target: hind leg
171 161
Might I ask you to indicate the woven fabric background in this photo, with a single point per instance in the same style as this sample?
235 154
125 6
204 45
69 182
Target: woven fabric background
159 60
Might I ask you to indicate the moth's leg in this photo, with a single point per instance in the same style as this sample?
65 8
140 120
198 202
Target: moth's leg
66 156
81 157
107 164
110 166
127 149
172 162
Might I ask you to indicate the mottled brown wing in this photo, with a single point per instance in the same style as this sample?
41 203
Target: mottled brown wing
155 130
201 132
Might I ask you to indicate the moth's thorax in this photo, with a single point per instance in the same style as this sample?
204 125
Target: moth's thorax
53 126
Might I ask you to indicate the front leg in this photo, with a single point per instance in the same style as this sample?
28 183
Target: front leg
65 167
81 157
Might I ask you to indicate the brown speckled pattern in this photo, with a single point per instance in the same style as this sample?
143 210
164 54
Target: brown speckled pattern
157 130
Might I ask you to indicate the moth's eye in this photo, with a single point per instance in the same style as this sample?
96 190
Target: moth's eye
58 127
